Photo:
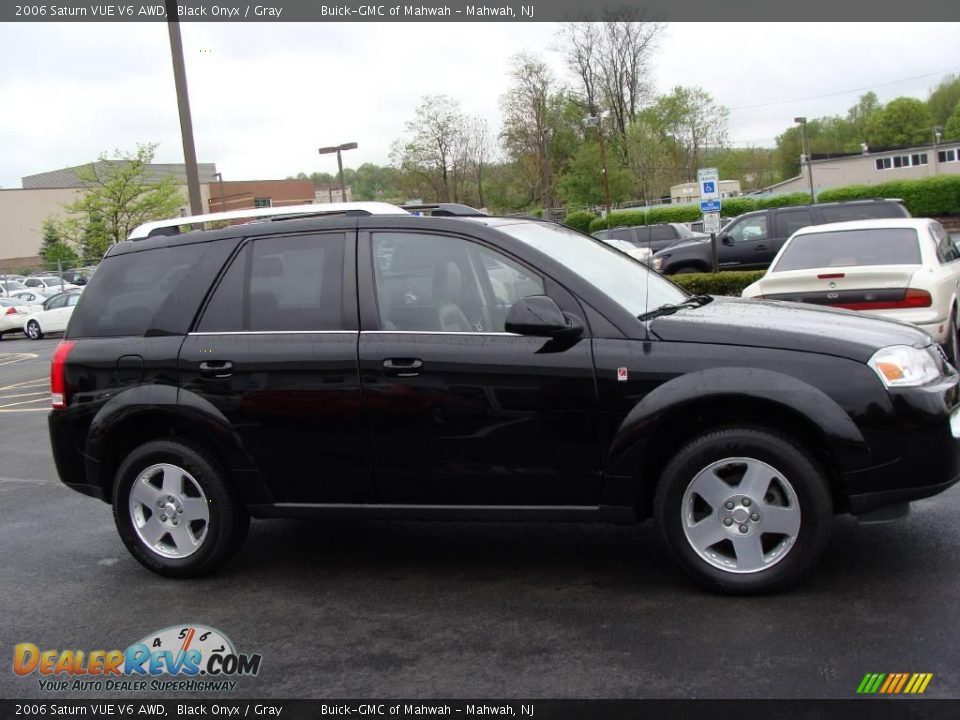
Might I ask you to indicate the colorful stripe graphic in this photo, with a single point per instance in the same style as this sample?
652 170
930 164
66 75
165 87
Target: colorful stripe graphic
894 683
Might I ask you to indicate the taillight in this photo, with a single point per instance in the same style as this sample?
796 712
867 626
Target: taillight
911 299
58 382
11 311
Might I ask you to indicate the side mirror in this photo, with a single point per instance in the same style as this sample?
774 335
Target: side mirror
726 240
540 316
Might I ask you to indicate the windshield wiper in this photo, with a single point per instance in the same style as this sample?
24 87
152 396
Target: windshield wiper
694 301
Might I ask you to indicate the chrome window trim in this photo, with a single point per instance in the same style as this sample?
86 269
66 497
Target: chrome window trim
277 332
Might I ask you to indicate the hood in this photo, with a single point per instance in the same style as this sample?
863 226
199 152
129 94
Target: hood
686 242
787 326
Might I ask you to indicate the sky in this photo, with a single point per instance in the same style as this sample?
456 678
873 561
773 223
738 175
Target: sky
264 96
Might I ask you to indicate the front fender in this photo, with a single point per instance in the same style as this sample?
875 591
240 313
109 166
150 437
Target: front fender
720 384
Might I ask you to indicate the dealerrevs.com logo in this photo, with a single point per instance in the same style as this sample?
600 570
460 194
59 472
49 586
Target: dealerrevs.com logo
199 657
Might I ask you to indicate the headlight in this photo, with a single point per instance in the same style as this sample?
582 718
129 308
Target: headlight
657 264
904 366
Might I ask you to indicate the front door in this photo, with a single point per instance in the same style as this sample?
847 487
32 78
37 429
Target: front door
275 351
460 411
750 243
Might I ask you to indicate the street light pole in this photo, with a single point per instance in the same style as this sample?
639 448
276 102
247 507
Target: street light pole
183 103
338 149
598 120
802 121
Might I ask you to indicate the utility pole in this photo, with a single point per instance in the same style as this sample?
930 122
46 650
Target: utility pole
183 104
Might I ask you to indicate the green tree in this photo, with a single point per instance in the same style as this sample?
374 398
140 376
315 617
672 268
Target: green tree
944 98
95 238
581 184
902 121
951 131
120 192
859 115
51 236
695 122
62 252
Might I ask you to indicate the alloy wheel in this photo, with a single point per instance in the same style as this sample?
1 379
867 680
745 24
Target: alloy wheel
169 511
741 515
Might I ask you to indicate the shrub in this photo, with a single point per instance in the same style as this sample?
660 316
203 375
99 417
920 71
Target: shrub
674 214
722 283
787 199
580 220
620 218
939 195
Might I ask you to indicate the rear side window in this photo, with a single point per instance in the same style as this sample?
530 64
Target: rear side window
787 222
848 248
663 232
148 292
281 284
862 211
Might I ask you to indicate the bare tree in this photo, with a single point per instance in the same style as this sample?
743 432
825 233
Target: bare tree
580 45
527 128
625 55
434 143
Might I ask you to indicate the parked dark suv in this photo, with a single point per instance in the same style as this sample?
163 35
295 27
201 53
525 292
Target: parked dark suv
390 366
752 240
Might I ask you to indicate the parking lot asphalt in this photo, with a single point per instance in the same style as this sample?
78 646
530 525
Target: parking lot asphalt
467 610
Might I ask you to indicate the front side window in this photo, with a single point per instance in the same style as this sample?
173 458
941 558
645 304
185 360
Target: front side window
57 302
437 283
281 284
624 280
750 230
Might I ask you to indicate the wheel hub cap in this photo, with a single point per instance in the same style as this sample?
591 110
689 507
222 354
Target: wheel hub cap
169 511
741 515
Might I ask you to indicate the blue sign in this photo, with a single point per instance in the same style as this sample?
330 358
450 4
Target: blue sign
709 206
709 187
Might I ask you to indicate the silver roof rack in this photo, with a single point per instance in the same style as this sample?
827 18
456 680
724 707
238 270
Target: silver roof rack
171 225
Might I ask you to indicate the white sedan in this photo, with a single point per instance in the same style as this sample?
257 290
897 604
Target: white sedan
12 313
901 269
29 297
54 316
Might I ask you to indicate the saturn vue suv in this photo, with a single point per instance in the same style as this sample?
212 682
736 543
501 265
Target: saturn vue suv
361 362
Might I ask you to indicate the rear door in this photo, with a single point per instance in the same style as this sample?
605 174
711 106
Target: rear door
461 412
748 244
275 350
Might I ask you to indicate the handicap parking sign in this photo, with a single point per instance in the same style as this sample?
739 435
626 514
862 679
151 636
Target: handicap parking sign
709 187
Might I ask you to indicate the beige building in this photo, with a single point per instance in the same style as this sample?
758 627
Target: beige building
873 168
23 212
690 192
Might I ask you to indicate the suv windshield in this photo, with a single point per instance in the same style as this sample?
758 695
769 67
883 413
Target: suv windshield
847 248
625 280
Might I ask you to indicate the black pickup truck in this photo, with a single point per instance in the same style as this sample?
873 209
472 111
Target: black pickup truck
752 240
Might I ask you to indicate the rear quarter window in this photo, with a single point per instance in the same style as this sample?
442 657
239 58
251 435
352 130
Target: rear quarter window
148 292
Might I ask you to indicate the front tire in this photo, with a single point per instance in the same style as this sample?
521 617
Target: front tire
175 512
33 330
743 510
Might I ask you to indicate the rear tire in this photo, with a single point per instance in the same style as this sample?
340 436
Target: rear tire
175 512
743 510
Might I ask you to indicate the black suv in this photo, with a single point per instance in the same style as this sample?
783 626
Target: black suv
752 240
390 366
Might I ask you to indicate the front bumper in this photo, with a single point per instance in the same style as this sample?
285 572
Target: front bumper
926 443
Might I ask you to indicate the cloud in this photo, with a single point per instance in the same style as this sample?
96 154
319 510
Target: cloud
264 96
